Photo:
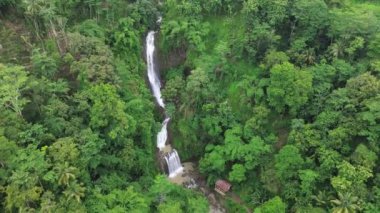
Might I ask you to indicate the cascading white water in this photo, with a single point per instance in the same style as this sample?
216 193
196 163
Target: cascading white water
152 75
172 159
174 163
159 20
162 136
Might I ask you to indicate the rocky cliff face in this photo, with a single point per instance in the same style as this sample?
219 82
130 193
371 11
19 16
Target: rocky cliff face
173 58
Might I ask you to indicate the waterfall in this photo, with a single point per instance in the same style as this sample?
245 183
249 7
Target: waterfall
162 136
172 158
174 163
152 75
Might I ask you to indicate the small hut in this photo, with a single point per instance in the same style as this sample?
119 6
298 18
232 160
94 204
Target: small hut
222 187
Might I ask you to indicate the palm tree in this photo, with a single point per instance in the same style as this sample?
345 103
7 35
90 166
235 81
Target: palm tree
309 56
336 49
322 198
345 203
66 174
34 10
74 191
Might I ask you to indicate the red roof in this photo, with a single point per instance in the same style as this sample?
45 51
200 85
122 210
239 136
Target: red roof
222 185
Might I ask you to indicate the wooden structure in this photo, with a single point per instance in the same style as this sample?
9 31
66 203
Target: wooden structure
222 187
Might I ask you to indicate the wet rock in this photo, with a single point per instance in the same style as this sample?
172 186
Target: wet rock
212 199
214 209
203 190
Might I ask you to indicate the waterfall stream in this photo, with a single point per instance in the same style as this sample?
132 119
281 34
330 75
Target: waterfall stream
154 80
171 157
174 163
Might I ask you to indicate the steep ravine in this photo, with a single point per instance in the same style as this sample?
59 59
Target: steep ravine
183 174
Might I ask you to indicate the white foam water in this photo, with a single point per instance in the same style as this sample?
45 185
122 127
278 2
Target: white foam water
172 158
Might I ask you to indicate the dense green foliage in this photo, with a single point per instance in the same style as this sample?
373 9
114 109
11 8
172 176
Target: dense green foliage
280 97
78 123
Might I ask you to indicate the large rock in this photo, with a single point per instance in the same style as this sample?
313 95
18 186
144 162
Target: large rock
212 199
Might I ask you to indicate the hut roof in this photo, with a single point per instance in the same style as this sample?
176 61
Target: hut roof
223 185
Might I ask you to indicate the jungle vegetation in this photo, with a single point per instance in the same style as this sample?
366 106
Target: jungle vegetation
280 97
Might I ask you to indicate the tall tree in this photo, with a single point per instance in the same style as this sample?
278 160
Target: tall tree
289 87
13 81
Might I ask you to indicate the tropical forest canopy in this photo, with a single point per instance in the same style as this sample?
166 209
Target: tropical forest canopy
280 97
